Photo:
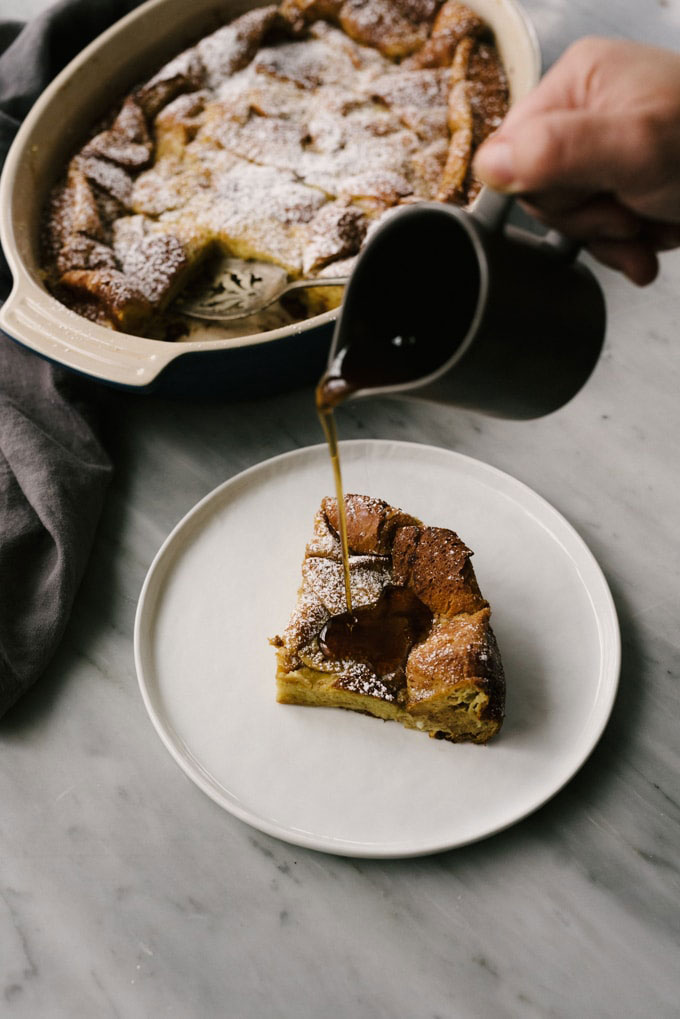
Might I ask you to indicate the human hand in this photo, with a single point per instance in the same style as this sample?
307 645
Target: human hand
594 151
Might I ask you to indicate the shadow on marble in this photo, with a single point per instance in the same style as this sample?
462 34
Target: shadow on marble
33 709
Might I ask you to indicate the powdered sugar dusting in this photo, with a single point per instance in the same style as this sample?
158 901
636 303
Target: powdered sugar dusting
368 576
358 678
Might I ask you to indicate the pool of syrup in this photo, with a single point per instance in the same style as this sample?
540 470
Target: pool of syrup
381 634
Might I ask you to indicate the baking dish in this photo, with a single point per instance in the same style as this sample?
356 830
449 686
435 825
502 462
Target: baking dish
121 57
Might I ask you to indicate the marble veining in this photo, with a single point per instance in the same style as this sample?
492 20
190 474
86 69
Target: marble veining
126 892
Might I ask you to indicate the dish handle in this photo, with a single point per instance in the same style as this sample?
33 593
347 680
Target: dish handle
38 321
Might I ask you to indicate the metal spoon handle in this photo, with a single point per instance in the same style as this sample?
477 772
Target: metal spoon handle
330 281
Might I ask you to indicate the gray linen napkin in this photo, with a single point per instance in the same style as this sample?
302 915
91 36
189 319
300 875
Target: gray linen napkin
53 467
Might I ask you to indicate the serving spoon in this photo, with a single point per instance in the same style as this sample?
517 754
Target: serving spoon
239 287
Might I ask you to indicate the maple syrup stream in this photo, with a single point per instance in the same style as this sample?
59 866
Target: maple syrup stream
326 400
382 633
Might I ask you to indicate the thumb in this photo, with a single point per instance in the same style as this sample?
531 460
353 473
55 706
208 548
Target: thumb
570 150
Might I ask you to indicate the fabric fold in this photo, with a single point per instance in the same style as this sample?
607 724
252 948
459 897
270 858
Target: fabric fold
54 469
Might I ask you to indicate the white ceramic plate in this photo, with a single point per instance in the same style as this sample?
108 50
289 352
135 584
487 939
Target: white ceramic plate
225 581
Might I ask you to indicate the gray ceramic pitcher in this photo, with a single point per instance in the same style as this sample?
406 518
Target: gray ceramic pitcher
460 307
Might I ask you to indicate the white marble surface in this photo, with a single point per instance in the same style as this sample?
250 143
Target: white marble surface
124 891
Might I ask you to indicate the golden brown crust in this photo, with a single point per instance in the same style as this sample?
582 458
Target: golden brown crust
451 681
127 142
300 13
453 23
154 271
112 292
371 523
394 27
183 74
488 97
435 563
463 646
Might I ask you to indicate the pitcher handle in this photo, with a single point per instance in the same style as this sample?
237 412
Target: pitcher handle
491 210
565 248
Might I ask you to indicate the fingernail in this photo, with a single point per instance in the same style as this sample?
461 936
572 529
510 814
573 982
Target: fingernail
494 164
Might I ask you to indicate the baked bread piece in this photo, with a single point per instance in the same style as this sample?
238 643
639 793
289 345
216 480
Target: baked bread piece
418 647
284 136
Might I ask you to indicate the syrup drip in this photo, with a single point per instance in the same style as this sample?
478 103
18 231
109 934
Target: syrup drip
381 634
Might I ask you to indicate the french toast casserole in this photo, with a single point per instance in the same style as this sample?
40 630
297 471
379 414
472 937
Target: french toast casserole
284 136
417 647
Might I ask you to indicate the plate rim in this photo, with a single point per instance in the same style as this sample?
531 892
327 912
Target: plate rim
193 769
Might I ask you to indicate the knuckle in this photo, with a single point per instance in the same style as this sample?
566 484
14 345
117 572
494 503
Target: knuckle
588 50
588 60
